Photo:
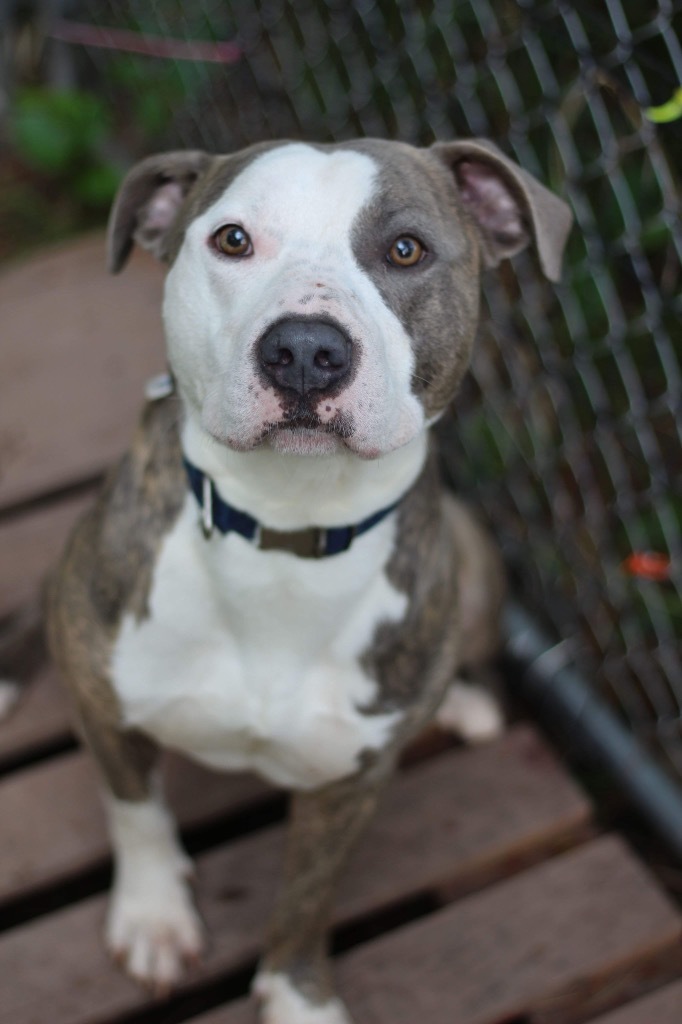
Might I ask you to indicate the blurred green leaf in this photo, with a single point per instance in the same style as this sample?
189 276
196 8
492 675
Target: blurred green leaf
152 112
52 131
40 139
669 111
96 186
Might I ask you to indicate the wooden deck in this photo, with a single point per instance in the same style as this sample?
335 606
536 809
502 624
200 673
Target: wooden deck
483 894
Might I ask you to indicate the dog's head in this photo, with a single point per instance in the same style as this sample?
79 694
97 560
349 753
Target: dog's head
327 296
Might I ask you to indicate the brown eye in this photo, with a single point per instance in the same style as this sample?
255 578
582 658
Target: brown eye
405 252
233 241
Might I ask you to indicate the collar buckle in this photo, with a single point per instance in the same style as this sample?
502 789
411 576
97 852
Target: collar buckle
207 506
314 542
310 543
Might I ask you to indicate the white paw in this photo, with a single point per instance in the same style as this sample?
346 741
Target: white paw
281 1003
9 695
153 929
470 712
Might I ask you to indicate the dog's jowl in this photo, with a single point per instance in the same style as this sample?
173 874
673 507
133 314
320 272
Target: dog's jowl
273 577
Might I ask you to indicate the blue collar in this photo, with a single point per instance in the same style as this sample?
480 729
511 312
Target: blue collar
313 542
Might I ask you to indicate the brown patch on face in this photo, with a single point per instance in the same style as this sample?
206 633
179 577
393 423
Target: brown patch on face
436 300
106 572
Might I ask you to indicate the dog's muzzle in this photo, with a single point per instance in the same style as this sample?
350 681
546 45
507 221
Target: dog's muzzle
304 356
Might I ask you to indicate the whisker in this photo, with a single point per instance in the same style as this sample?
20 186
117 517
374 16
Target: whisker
415 376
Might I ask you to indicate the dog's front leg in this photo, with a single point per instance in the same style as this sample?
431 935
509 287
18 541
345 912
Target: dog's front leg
294 979
152 927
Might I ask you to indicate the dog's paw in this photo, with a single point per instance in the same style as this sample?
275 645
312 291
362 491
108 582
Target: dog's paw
471 713
9 695
153 929
282 1003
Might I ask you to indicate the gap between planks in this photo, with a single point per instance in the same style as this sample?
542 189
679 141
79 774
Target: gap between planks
509 800
473 815
544 947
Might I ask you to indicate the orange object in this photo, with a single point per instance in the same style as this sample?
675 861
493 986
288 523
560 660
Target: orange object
648 565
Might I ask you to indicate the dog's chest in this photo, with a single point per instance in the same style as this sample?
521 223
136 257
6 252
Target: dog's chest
253 659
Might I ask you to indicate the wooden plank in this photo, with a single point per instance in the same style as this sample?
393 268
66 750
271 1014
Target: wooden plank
65 832
430 832
77 347
30 544
538 947
40 720
661 1007
474 814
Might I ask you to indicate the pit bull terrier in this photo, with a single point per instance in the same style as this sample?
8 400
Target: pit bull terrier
273 577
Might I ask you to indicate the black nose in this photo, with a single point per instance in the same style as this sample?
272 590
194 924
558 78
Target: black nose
305 355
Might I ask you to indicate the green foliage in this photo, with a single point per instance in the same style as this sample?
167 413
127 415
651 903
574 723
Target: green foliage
147 93
61 135
53 130
670 111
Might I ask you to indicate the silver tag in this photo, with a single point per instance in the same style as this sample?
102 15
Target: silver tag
158 387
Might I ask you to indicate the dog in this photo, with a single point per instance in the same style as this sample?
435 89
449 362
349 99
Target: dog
274 578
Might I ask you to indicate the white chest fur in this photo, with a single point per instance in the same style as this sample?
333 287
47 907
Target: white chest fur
251 659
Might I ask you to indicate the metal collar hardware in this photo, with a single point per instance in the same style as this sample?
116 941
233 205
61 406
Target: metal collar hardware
312 542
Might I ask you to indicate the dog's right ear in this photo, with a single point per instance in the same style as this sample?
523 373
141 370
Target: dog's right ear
509 207
148 202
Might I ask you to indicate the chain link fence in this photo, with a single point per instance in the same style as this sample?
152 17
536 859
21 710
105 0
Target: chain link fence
567 432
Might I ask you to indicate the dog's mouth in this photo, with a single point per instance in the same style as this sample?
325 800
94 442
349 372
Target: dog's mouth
303 432
341 424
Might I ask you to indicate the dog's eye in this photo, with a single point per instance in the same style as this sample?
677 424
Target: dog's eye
233 241
406 251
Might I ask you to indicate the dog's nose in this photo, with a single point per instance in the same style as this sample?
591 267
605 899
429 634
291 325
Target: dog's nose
305 355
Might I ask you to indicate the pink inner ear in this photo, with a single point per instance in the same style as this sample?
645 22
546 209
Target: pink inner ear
484 191
162 208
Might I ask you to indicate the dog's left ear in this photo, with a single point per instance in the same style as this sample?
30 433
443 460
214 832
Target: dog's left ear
510 208
148 202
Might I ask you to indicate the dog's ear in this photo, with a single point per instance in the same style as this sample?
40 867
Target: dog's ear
508 205
148 201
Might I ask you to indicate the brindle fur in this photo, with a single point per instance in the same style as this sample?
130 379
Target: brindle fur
106 571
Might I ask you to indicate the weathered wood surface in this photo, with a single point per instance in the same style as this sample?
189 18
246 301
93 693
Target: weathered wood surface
65 834
40 721
530 806
533 947
661 1007
30 544
77 346
479 896
528 803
